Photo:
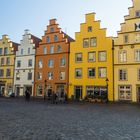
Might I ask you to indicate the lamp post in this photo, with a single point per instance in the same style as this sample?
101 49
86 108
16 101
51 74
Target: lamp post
107 87
45 89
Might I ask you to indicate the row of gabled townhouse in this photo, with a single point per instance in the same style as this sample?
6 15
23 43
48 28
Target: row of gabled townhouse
92 64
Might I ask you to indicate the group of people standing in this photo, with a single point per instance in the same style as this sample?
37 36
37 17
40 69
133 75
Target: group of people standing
56 97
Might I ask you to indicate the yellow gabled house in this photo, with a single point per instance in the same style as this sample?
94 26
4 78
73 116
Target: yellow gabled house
91 62
7 61
127 57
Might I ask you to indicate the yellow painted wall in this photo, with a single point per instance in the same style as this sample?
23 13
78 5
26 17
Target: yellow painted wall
128 27
103 44
5 42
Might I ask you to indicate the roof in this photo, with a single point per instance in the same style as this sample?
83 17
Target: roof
68 37
36 40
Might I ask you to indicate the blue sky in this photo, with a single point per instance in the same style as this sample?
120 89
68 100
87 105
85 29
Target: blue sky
18 15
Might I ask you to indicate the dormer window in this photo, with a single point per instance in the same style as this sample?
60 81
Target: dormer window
22 51
28 50
137 13
55 38
90 29
52 30
48 39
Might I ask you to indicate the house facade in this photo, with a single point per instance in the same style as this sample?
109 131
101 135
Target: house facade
25 64
91 61
7 56
127 57
52 61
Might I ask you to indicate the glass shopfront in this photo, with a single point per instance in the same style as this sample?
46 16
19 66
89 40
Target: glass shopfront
96 90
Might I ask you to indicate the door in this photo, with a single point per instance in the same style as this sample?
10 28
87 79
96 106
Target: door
78 92
17 91
2 90
138 93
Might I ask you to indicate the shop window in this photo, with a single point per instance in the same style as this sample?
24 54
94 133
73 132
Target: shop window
125 92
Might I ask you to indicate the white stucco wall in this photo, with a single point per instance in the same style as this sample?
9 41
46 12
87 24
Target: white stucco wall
26 43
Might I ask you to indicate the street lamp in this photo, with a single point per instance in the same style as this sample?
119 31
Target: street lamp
107 87
45 89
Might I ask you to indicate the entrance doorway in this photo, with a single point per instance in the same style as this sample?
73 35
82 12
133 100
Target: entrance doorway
17 91
138 93
78 92
2 90
29 88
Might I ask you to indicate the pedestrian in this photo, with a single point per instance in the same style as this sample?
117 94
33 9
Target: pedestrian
65 97
53 97
27 95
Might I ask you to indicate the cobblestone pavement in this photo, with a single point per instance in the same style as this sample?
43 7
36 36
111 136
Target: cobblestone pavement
38 120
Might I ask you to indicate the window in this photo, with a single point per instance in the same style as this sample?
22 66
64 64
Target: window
29 75
137 38
89 90
17 76
78 73
78 57
122 75
122 56
62 62
50 75
5 50
102 72
40 64
89 28
8 61
8 73
138 74
91 57
125 92
44 50
51 29
48 39
52 49
91 72
86 42
102 56
0 51
59 49
137 26
21 52
125 38
29 50
39 76
18 63
30 63
62 75
93 42
78 91
55 38
2 61
137 55
39 90
50 63
137 13
1 72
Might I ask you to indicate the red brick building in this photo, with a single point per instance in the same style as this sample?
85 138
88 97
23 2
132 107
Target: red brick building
52 61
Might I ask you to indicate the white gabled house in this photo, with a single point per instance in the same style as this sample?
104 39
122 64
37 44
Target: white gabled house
25 64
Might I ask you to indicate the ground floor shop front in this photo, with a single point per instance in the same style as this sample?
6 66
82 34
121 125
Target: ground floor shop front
45 89
127 92
19 90
6 88
80 92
